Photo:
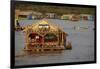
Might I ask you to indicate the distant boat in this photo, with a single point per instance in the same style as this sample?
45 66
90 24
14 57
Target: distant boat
17 26
79 28
69 45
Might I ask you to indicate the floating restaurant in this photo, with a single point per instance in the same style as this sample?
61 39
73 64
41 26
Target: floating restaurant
45 36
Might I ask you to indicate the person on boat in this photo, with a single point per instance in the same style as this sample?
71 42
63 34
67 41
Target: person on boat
17 23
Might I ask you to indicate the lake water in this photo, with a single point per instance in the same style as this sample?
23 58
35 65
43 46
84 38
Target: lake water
82 44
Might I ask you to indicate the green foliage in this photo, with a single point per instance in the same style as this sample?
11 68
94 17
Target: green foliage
59 10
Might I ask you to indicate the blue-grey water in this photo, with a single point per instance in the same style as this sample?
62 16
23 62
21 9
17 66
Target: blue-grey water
82 44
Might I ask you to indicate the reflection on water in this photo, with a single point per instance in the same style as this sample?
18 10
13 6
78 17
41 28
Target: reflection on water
82 45
30 53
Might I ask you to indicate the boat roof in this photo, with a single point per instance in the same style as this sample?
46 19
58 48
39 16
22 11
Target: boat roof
35 26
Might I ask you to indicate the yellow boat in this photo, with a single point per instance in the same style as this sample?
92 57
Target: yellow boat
44 36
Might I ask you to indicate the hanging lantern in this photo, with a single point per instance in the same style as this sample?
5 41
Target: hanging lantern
37 37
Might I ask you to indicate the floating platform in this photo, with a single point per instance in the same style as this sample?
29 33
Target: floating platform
44 36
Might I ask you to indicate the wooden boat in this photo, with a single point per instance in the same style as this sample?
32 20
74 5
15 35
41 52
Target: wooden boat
44 36
69 46
17 26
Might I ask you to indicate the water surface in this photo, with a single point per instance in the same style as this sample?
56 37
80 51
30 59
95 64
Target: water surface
82 44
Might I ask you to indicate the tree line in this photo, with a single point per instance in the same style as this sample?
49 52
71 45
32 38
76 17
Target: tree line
56 9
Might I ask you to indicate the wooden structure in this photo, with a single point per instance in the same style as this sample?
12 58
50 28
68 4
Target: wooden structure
25 14
75 17
44 36
72 17
17 26
66 16
51 15
29 14
87 17
17 12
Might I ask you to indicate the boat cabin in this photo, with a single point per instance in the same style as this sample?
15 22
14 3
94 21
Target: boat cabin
44 36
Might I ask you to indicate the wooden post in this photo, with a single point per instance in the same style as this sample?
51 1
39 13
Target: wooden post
58 39
42 40
62 38
27 40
